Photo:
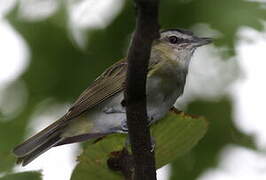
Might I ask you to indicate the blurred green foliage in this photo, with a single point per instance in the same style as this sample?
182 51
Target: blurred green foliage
226 16
23 176
60 70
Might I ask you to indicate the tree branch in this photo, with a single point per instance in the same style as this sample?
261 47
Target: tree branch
147 29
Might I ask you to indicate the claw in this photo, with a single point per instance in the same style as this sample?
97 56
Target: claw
153 144
127 143
124 126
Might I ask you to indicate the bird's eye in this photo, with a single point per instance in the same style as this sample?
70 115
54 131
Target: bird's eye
176 40
173 39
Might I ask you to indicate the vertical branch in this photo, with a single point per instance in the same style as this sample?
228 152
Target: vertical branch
147 29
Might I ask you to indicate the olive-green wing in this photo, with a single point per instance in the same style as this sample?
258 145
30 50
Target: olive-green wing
109 83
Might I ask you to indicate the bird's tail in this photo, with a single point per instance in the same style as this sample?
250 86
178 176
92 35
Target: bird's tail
39 143
50 137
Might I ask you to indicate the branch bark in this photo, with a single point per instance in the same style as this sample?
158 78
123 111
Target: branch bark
147 29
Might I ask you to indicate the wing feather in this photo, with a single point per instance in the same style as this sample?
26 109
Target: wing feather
109 83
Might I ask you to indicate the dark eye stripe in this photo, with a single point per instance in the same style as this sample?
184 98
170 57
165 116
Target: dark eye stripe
176 40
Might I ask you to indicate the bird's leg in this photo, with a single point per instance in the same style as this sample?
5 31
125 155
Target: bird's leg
153 143
110 110
150 121
124 125
127 141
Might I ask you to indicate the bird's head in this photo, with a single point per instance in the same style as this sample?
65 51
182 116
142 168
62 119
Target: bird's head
178 44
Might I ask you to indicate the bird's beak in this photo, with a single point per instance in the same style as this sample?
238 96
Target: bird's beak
201 41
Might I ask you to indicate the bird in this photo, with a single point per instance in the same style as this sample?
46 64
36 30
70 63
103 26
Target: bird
100 109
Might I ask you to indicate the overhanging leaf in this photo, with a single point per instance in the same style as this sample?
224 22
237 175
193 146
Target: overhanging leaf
175 134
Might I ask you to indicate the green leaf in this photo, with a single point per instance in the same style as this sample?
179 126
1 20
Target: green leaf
174 135
31 175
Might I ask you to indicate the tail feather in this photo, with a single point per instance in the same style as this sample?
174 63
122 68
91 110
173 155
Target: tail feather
48 138
81 138
39 139
40 150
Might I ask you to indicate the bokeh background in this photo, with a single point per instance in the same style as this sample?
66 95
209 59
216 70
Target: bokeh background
50 51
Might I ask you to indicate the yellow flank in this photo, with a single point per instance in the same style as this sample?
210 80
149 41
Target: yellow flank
78 126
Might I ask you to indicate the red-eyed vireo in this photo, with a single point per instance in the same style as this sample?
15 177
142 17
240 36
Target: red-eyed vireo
100 111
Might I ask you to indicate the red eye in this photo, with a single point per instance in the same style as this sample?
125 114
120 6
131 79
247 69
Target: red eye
173 39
